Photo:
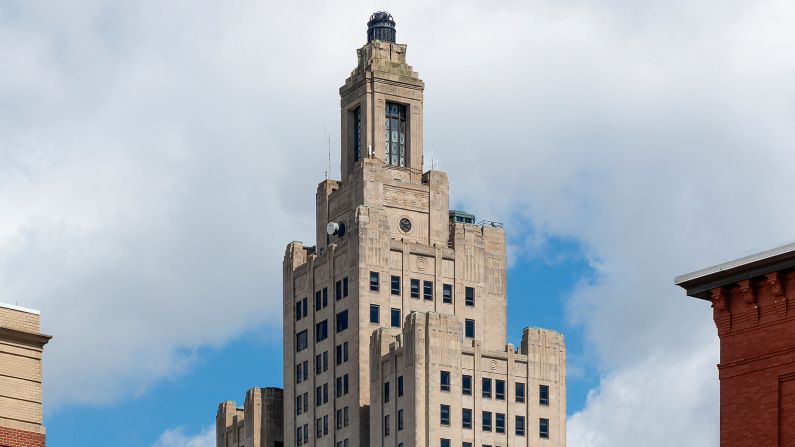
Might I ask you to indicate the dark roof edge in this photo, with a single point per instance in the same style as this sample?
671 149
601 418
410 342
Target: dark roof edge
698 284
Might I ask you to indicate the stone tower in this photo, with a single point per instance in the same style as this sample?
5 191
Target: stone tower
390 258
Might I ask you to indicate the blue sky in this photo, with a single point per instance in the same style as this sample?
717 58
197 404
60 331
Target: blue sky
155 157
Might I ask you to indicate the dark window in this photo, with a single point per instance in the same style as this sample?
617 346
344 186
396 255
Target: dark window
499 389
469 296
427 290
395 285
325 296
305 305
487 421
395 317
325 393
543 428
318 364
338 290
386 425
400 420
306 369
325 424
298 405
519 425
318 396
325 360
543 395
444 414
318 427
374 314
342 321
374 281
344 287
447 293
318 301
300 341
415 288
357 134
499 422
466 444
466 385
444 380
444 442
466 417
321 331
395 134
342 353
400 386
386 392
469 328
341 386
486 388
519 392
298 311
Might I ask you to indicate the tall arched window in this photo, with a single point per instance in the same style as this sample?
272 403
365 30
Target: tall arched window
395 135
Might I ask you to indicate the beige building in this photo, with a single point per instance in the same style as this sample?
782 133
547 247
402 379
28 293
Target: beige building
391 258
21 348
258 424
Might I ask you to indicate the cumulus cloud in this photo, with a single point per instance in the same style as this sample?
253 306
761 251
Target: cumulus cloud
155 158
176 437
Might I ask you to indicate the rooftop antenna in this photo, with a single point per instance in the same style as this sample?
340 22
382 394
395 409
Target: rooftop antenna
328 146
434 162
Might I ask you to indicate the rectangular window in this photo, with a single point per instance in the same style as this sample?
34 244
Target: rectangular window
469 296
519 392
466 385
519 425
374 281
318 301
338 290
300 341
415 288
486 388
499 422
325 393
298 438
299 376
321 331
499 389
427 290
374 313
345 418
318 396
466 418
447 293
469 328
486 420
304 306
325 296
344 287
395 134
386 425
395 285
357 134
400 386
325 360
306 433
298 405
466 444
395 317
444 442
325 424
306 369
342 353
400 420
318 364
444 380
543 428
298 311
543 395
318 427
444 414
386 392
342 321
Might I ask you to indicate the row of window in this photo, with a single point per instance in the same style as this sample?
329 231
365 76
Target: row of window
375 315
321 298
341 388
499 388
342 419
427 289
321 362
399 389
321 331
388 425
499 421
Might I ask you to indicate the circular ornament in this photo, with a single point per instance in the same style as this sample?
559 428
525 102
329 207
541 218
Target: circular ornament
405 225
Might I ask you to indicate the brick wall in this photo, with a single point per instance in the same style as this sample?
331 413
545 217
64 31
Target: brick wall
10 437
756 325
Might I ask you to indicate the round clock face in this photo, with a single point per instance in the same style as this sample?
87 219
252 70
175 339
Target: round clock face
405 225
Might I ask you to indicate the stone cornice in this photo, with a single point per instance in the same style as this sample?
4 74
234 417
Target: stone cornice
38 340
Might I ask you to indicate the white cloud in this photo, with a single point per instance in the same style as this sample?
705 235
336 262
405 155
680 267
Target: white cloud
155 159
176 437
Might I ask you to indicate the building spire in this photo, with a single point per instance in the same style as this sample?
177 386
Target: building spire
381 27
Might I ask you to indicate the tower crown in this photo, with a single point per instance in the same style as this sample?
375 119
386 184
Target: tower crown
381 27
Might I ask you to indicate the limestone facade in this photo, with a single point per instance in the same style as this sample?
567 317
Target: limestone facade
392 254
429 387
21 349
259 423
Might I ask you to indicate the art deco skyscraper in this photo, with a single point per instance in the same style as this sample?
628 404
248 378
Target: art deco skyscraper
395 320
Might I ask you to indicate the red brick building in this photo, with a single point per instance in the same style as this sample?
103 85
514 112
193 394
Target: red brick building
752 301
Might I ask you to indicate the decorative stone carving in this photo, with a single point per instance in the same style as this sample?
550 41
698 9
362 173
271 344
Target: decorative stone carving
401 198
719 299
749 297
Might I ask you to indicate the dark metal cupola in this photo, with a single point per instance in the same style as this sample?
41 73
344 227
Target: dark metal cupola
381 27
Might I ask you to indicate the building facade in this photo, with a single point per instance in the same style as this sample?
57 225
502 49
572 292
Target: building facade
751 306
391 265
21 349
259 423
